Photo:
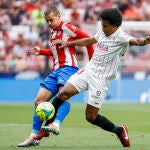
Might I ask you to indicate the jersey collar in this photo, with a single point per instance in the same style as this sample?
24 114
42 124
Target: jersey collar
59 27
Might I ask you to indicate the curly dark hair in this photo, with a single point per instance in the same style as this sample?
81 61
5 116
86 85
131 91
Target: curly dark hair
113 15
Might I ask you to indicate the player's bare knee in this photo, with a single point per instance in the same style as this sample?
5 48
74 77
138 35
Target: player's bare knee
36 102
90 118
39 100
63 95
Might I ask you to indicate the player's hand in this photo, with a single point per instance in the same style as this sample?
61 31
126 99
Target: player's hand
147 40
34 51
63 44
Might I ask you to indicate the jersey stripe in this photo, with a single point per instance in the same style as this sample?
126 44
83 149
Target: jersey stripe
66 56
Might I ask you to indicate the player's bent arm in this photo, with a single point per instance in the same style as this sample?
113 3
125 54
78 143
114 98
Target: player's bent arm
139 41
80 35
82 42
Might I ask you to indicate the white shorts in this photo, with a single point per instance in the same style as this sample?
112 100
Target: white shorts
96 87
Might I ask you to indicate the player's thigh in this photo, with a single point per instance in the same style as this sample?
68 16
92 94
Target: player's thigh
79 80
67 91
65 98
44 95
76 84
62 77
64 74
50 83
97 91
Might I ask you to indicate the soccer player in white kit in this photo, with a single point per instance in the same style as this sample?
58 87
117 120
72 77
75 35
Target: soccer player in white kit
112 44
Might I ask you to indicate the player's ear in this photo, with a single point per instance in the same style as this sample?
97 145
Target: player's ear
59 15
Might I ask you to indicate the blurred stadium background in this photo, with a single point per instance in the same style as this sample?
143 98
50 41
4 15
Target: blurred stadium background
22 26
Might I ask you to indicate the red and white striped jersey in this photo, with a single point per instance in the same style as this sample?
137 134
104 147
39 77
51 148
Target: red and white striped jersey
66 56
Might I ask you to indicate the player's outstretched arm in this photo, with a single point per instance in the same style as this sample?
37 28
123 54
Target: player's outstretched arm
79 42
140 41
34 51
37 51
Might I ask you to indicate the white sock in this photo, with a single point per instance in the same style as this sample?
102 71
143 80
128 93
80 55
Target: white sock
32 134
56 123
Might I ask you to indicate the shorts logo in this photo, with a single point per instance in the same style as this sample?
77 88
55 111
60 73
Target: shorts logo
94 96
98 93
96 103
60 80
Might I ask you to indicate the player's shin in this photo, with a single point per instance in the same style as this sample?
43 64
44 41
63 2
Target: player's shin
62 112
36 124
106 124
60 116
56 103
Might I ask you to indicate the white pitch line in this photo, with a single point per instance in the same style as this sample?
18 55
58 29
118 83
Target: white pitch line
13 124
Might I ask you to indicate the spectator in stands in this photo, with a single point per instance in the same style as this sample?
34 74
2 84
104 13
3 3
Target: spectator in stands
123 5
32 35
31 5
107 4
4 34
5 19
2 58
146 6
43 32
131 14
139 8
4 4
38 17
18 56
26 19
15 18
75 17
98 8
89 16
68 3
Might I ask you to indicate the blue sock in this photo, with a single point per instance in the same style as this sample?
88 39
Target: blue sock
62 112
36 124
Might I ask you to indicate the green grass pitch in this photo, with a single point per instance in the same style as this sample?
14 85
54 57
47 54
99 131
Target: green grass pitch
76 133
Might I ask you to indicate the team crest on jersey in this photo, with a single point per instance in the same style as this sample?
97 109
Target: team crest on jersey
114 38
53 35
58 32
73 28
102 47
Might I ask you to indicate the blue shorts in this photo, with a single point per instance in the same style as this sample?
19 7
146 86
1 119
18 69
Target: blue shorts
58 78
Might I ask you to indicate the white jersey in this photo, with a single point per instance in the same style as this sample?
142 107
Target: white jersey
107 54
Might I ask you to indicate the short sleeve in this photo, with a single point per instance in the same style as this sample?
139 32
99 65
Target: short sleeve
98 35
126 37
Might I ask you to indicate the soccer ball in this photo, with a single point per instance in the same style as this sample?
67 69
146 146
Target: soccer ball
45 111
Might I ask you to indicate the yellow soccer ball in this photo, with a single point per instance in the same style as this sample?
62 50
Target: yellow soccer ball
45 111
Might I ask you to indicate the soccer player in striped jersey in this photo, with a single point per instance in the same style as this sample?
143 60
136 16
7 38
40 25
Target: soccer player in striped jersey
65 65
112 43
